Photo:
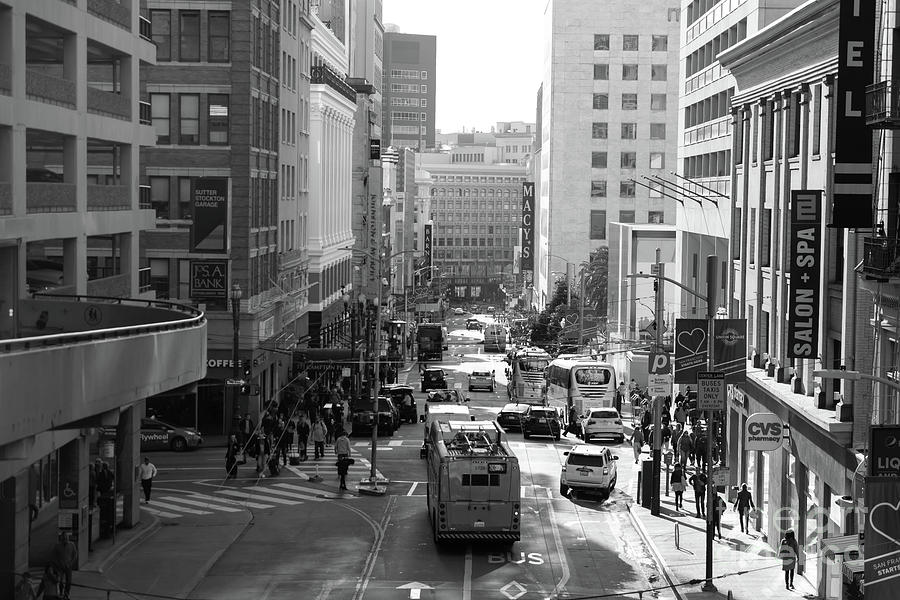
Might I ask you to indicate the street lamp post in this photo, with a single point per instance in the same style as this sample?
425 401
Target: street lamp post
235 296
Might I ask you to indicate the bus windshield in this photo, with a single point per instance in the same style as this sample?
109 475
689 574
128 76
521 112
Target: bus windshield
592 376
533 365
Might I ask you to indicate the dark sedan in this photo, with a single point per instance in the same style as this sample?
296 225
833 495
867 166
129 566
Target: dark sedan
510 416
542 420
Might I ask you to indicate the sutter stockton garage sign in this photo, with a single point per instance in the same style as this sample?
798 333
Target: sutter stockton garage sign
803 301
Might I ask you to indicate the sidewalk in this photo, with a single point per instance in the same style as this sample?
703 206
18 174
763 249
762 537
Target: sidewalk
742 563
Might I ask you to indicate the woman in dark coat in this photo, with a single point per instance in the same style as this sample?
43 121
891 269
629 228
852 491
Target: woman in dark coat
788 552
231 455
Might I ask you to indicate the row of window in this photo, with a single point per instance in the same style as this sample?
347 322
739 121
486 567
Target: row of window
761 123
289 13
467 254
475 230
408 74
632 42
408 130
423 102
506 242
630 72
409 88
264 42
185 43
468 217
629 102
597 228
600 131
698 8
710 164
479 179
627 189
400 115
710 108
186 129
706 54
514 149
628 160
483 192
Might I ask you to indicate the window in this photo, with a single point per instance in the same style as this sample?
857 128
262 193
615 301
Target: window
159 196
765 242
598 160
189 126
161 33
184 197
657 102
657 131
424 88
630 43
598 225
751 239
424 74
423 103
601 72
626 216
655 216
817 119
629 72
598 188
601 41
599 131
629 160
217 123
655 190
159 115
629 102
657 160
601 101
626 189
219 36
659 43
769 131
629 131
658 72
189 47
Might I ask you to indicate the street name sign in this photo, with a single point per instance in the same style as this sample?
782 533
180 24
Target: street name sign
711 390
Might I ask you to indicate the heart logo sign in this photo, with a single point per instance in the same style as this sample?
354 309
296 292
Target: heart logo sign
693 341
881 513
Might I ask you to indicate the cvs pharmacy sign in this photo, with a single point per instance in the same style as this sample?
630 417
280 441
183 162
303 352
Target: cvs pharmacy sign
764 432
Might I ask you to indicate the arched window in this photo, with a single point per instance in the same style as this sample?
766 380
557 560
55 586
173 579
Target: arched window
491 192
467 193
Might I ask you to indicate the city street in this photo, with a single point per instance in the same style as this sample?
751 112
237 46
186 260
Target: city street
292 536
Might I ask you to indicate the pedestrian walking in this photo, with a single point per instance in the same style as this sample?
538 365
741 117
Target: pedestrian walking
318 437
677 481
231 460
637 442
700 451
342 450
246 430
303 436
743 504
788 552
146 473
719 507
698 482
680 413
65 559
263 448
50 584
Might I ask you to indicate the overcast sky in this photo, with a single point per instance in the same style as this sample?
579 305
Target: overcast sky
489 57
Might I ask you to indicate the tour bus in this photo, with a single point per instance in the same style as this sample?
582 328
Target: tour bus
474 489
430 341
581 383
526 374
495 337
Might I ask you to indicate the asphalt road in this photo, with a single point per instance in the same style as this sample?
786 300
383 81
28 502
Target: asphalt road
298 537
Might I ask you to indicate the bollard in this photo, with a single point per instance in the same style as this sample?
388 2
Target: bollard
730 595
677 537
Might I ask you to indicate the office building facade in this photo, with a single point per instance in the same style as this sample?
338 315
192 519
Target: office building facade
409 90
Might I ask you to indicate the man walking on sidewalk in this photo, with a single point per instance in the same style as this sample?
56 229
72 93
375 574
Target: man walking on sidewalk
698 482
146 473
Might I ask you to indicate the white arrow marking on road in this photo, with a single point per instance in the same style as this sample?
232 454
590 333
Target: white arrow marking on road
415 589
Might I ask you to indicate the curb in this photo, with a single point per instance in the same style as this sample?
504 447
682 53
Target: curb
673 581
188 589
118 551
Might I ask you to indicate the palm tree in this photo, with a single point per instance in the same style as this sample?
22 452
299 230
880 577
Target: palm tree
596 282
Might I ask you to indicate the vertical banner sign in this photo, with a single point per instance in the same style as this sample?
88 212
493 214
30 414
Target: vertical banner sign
730 349
372 231
427 248
884 451
803 300
882 562
853 138
209 280
528 226
690 349
209 207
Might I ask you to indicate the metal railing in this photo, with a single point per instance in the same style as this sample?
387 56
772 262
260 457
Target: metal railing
146 28
325 75
145 114
883 104
880 256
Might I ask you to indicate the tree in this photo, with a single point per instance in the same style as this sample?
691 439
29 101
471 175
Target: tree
596 282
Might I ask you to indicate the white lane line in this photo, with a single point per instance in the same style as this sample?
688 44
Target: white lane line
302 492
190 511
200 503
159 513
238 494
395 443
467 575
297 496
560 551
244 504
412 488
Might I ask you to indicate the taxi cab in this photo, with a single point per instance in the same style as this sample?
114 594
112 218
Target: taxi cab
588 468
159 435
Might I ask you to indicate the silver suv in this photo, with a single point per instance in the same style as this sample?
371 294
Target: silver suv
588 468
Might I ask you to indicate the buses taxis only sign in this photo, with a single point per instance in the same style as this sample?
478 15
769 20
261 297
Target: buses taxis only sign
711 390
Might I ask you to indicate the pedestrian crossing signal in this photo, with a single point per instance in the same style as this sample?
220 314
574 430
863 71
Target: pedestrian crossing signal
250 390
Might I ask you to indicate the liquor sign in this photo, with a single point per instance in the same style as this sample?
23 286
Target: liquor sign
884 451
803 300
209 279
764 432
427 247
528 226
209 212
882 535
690 349
730 349
853 138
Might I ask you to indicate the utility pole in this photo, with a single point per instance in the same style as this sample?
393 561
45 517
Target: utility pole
711 288
657 400
581 315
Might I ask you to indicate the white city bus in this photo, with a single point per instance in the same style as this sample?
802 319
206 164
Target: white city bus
580 383
526 374
495 336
